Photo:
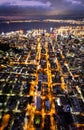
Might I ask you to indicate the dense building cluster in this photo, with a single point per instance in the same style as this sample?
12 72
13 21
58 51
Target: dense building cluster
41 81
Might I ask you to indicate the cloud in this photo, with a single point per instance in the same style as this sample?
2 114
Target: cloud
41 7
29 3
75 2
59 4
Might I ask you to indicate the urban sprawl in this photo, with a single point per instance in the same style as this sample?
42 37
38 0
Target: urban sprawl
42 79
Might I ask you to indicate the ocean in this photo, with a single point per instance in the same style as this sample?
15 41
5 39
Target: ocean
7 27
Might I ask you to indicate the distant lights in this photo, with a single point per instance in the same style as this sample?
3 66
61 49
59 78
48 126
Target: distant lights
2 33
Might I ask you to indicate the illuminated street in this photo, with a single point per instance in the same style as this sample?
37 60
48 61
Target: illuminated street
41 80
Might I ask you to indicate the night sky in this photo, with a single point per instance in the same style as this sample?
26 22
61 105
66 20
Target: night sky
41 7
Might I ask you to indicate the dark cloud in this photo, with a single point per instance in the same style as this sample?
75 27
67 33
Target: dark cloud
41 7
